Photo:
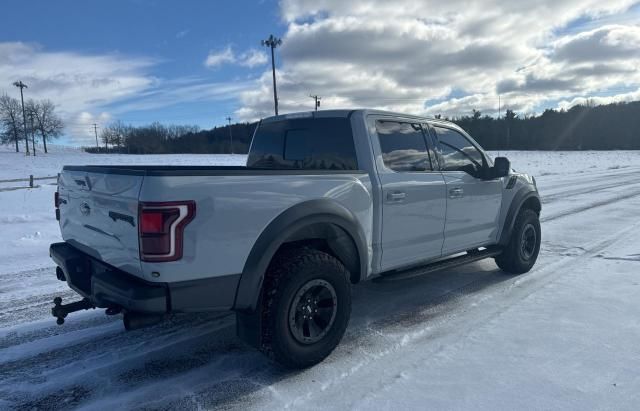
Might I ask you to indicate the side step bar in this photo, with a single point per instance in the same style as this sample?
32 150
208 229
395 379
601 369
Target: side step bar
469 257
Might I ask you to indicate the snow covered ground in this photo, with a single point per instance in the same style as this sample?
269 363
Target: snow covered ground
564 336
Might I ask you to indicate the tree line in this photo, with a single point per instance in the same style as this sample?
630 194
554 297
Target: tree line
613 126
40 122
582 127
157 138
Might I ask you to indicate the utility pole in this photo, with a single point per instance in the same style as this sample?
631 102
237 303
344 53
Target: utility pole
230 133
21 85
317 99
499 107
273 42
33 134
95 130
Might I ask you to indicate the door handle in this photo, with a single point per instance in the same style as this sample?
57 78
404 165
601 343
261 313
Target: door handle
456 193
396 196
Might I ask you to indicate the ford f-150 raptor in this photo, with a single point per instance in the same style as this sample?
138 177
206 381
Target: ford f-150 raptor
327 199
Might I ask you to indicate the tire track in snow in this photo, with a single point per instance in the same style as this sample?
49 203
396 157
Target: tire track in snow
124 360
588 189
26 309
590 205
587 178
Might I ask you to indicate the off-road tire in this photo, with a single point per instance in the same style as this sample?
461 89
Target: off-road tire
288 274
521 252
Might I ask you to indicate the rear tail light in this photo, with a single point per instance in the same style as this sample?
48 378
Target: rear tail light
161 228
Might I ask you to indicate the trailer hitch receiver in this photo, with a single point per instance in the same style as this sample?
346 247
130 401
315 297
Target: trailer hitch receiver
61 311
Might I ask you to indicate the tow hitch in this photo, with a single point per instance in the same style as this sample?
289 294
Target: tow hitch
61 311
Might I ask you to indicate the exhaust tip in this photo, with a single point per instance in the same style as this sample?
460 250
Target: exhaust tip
60 274
134 321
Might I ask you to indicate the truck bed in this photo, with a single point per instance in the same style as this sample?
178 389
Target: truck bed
99 213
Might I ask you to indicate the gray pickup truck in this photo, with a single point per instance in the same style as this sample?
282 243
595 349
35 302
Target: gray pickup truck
327 199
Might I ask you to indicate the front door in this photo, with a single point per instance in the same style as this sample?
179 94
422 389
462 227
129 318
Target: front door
473 204
413 195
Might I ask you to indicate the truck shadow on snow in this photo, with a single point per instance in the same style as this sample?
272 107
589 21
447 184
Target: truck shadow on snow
197 361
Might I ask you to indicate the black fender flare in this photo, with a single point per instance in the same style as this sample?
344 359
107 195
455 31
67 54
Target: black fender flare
284 226
526 195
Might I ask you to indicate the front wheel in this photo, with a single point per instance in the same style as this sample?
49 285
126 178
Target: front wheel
521 253
307 305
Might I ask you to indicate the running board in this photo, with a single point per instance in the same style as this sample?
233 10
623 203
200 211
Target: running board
470 257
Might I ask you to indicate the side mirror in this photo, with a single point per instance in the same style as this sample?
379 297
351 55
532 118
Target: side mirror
501 167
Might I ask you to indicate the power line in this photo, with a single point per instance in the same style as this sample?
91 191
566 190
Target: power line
95 130
317 103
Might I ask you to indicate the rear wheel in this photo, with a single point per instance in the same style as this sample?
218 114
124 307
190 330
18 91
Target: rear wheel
521 253
306 309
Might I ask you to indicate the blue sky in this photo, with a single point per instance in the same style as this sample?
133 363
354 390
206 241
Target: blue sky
176 39
197 62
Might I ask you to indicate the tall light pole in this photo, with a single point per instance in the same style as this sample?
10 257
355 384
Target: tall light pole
273 42
21 85
230 133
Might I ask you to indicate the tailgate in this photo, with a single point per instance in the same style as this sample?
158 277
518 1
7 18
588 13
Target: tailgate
99 215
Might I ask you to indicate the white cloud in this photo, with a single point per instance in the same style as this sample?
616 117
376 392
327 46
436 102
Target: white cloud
95 88
597 100
80 127
174 92
250 58
607 43
77 83
403 55
218 58
253 58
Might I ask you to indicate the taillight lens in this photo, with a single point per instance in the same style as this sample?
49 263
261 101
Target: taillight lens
161 228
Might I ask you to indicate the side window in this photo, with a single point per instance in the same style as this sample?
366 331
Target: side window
457 153
403 146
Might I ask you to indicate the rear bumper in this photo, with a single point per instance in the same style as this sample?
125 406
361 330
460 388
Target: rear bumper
106 286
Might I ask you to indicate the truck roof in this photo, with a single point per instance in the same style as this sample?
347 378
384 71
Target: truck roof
340 113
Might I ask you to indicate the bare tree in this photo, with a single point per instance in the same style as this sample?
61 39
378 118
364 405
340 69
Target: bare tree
10 120
46 121
106 136
115 134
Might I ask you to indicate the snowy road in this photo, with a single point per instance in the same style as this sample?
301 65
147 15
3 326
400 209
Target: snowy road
564 336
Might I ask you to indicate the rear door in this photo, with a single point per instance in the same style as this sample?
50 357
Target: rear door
99 215
473 204
413 194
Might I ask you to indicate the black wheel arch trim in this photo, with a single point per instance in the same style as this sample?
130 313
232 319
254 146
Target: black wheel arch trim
284 227
521 197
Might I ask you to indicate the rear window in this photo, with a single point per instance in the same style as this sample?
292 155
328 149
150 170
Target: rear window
304 143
